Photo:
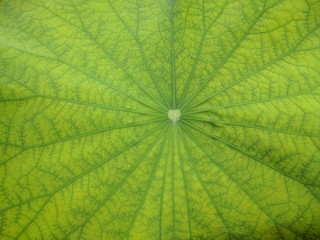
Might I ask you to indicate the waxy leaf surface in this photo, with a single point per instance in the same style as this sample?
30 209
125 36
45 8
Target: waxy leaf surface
160 119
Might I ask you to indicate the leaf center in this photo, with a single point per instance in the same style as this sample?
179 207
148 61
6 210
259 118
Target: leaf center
174 115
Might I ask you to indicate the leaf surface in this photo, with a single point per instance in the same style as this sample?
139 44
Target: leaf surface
160 119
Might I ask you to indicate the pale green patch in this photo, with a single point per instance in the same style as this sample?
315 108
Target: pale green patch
160 119
174 115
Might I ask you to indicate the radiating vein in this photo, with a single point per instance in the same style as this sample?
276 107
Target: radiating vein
257 127
104 83
25 227
226 58
141 51
247 76
172 142
236 148
191 111
172 51
152 175
164 176
233 179
199 51
117 63
129 125
82 103
212 201
119 185
185 183
94 41
89 170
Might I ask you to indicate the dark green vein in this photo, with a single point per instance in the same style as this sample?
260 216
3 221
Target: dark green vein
86 172
253 102
141 51
24 229
225 59
251 156
172 51
257 127
118 64
211 199
96 105
88 75
185 183
84 134
163 189
172 142
90 37
155 166
239 185
112 156
247 76
199 51
119 185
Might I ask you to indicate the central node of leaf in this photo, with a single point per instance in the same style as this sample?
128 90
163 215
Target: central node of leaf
174 115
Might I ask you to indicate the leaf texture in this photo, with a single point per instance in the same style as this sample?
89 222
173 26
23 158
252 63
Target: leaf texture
92 145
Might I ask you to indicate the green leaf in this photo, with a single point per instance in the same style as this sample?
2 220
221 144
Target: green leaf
160 119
